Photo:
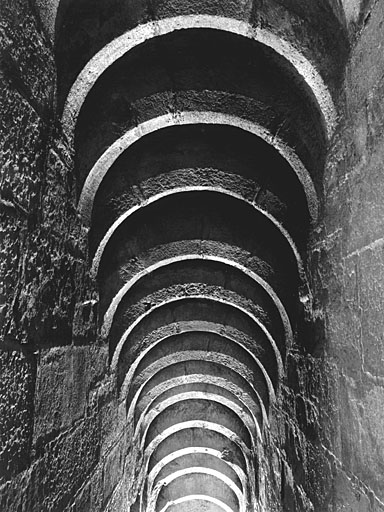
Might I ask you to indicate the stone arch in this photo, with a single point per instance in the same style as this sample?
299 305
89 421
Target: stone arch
174 507
269 267
302 67
174 440
209 223
228 413
109 316
187 327
219 157
244 395
162 467
229 438
124 338
201 471
256 410
99 253
198 457
103 164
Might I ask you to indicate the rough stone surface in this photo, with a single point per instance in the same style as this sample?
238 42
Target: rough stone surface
347 263
84 399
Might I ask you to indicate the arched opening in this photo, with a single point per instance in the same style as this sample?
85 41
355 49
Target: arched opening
199 149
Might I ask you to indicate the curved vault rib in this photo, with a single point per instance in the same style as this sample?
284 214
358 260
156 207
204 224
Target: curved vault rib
182 293
249 405
175 440
206 425
110 313
210 178
238 395
200 470
110 155
198 497
193 450
180 274
164 467
241 407
246 367
191 327
150 414
244 417
158 197
266 393
198 458
131 39
212 361
116 355
229 435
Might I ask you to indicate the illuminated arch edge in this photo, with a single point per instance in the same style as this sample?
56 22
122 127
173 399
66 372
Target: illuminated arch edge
244 417
124 337
226 434
193 450
157 441
174 385
197 470
218 300
186 452
149 410
110 313
186 327
175 191
132 38
215 427
199 497
129 378
110 155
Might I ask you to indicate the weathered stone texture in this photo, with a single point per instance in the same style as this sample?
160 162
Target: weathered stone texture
64 381
17 373
27 53
65 441
348 268
49 432
22 149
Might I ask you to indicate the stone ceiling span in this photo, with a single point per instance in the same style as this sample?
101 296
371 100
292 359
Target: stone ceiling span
191 255
200 132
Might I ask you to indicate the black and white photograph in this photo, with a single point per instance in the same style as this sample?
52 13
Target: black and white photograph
191 255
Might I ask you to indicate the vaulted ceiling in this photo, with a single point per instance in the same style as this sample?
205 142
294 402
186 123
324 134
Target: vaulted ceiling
200 131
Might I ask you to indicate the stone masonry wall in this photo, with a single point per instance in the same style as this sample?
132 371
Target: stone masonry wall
49 430
347 268
59 449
